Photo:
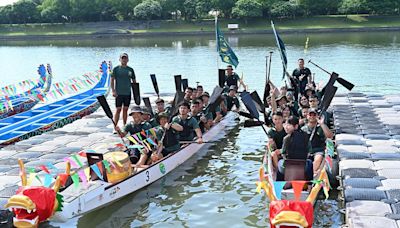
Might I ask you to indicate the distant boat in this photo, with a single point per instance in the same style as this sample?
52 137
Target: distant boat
55 115
17 103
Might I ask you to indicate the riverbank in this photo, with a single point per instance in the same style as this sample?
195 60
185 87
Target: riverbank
128 29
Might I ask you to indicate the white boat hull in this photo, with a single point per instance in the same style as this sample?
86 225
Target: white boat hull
99 193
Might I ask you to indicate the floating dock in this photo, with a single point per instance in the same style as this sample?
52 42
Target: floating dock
368 141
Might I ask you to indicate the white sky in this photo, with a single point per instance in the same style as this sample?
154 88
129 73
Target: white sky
7 2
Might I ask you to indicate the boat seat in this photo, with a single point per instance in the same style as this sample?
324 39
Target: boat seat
294 170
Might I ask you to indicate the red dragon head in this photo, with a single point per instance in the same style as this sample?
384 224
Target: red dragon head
34 204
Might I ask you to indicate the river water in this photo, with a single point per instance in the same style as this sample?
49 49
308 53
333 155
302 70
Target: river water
217 186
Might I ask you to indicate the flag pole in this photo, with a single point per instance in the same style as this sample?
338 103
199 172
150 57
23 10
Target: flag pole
216 38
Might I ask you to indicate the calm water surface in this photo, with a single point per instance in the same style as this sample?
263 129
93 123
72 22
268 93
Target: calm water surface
217 186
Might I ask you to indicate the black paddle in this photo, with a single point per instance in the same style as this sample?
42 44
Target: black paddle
221 78
215 99
267 87
147 103
136 92
155 85
104 104
249 103
348 85
245 114
257 101
185 83
252 123
178 82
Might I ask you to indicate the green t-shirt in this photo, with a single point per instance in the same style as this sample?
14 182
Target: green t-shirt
277 136
189 125
135 128
318 140
123 77
160 132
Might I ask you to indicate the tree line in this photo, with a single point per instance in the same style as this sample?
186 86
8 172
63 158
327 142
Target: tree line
64 11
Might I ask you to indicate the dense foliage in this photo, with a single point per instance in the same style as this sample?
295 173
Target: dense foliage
32 11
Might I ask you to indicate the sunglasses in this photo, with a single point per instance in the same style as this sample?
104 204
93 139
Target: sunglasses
312 101
312 114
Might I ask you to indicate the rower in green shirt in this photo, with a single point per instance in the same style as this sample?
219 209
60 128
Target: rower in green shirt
189 124
170 142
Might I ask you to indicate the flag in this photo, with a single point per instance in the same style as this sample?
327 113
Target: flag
223 48
282 49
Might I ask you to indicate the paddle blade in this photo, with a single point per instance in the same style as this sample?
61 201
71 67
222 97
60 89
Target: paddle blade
185 84
147 103
327 99
221 77
348 85
155 84
178 82
267 90
178 99
245 114
249 103
104 104
330 83
257 101
136 92
252 123
215 98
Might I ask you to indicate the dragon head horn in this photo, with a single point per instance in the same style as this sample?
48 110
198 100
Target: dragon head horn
22 173
68 168
57 184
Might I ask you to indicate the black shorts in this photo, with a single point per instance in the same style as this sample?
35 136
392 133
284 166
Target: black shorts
122 100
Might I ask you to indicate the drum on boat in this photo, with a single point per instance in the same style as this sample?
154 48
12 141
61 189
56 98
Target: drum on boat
121 168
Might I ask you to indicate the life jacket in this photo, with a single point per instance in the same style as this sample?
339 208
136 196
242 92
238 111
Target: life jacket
170 138
230 80
187 133
298 145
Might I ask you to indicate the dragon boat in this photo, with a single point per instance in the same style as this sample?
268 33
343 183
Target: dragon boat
12 104
103 185
291 202
54 115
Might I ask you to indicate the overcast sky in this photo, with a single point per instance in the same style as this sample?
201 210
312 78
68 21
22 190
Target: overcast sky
7 2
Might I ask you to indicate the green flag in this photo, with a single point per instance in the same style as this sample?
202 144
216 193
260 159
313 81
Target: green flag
223 48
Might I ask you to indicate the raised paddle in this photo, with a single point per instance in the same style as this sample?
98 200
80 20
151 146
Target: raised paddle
104 104
257 101
249 103
185 83
267 87
348 85
155 84
178 82
221 78
147 103
245 114
136 92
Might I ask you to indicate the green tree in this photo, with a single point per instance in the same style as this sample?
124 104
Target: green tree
123 9
285 9
25 11
353 7
224 6
55 10
148 9
5 14
384 6
247 9
319 7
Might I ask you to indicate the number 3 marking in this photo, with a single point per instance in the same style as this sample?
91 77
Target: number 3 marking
147 176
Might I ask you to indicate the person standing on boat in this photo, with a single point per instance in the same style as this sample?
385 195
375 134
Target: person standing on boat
231 99
170 142
189 124
318 132
121 79
295 146
301 75
232 79
275 137
133 127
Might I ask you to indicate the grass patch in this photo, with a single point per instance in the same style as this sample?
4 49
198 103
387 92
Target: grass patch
207 25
